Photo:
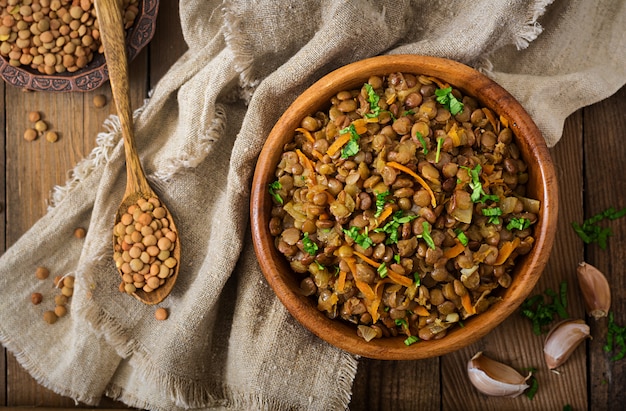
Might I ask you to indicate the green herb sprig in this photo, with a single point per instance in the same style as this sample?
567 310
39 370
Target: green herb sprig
381 200
447 99
615 339
420 138
373 99
518 224
309 245
361 239
391 228
352 146
493 213
541 312
272 189
591 232
426 235
478 193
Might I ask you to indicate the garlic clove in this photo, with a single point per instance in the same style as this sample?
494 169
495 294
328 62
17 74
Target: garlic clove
562 340
494 378
595 289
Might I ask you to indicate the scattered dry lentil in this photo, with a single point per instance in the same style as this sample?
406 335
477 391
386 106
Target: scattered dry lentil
42 273
34 116
52 136
36 298
41 126
99 100
80 232
30 134
50 317
160 314
60 310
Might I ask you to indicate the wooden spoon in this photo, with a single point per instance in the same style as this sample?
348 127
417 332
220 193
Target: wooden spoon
113 39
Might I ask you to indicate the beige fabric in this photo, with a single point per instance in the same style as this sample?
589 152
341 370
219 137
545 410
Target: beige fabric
229 343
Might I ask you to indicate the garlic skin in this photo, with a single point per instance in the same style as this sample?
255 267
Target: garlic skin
494 378
562 340
595 290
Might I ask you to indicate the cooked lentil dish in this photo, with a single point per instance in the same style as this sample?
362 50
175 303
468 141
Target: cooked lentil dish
402 207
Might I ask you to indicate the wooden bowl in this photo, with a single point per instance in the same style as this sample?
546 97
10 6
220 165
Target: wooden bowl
95 73
542 185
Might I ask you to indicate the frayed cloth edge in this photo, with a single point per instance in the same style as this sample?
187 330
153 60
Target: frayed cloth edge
31 366
243 52
186 394
531 29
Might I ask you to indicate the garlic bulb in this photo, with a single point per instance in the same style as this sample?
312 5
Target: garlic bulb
562 340
595 289
494 378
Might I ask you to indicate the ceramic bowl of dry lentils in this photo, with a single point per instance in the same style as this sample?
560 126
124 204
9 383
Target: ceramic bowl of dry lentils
403 206
54 45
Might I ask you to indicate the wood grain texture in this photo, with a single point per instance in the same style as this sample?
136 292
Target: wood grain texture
605 162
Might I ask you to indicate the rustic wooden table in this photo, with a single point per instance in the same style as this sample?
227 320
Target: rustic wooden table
590 161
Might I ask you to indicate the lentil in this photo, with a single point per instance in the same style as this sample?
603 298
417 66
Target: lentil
144 256
99 100
52 136
160 314
42 273
36 298
30 134
50 317
395 217
63 36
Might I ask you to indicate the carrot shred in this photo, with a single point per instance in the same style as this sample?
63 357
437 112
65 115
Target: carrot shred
421 311
488 168
504 121
365 289
452 252
506 250
366 259
317 154
308 164
351 261
419 179
341 141
306 134
398 278
466 301
360 125
341 281
384 215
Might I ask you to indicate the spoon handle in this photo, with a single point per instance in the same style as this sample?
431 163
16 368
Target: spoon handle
113 39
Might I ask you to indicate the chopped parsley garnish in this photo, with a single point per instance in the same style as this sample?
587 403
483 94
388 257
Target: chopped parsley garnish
352 147
591 232
478 194
380 202
461 236
439 145
309 245
391 228
518 224
532 382
382 270
420 138
373 99
401 322
447 99
272 189
396 258
493 214
426 235
416 277
408 112
361 239
411 340
615 339
319 266
541 313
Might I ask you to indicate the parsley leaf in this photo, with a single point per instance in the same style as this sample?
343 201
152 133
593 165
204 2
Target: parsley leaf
352 147
591 232
380 203
391 228
416 277
615 339
361 239
382 270
493 214
478 194
411 340
373 99
532 381
272 189
542 313
309 245
426 235
439 145
461 236
420 138
447 99
518 224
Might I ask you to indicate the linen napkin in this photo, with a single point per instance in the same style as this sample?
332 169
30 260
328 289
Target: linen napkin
229 343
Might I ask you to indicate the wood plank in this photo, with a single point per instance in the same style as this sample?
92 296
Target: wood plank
605 186
3 199
168 43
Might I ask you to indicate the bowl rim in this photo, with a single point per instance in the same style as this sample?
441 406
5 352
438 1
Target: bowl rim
96 73
534 151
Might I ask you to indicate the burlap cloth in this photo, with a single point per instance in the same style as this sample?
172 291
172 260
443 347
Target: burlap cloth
229 342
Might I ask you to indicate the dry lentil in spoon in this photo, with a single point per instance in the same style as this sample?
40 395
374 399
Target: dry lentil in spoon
144 246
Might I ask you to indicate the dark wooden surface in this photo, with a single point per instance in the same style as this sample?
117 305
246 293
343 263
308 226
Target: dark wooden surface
590 161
